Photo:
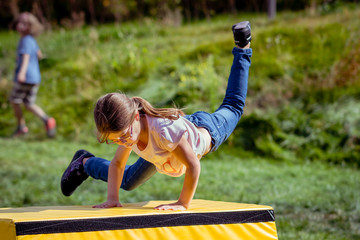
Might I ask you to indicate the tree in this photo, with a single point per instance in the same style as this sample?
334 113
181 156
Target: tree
271 9
14 8
232 6
91 11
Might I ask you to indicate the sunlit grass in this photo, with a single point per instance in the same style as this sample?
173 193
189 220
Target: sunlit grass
300 130
311 200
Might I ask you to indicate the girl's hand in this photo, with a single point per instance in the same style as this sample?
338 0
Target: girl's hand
173 206
21 77
108 204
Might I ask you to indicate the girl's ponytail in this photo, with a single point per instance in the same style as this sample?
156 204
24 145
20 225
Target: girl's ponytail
145 107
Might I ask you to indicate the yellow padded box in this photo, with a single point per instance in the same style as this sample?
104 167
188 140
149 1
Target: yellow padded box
205 220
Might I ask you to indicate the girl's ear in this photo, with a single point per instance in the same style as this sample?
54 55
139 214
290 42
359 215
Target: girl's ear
137 116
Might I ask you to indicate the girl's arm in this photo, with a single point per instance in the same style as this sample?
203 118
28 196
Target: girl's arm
23 68
116 172
39 54
184 153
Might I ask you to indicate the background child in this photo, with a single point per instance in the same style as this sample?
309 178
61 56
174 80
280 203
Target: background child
171 143
27 75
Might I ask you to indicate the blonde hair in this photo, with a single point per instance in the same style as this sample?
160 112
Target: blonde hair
35 27
115 112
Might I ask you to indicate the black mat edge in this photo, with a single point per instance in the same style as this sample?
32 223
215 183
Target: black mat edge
144 221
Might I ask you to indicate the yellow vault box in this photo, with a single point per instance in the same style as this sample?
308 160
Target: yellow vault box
205 220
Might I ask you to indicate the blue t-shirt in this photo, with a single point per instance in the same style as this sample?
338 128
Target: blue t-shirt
28 45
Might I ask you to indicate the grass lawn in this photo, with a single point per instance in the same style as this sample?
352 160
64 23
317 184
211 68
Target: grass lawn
302 109
311 200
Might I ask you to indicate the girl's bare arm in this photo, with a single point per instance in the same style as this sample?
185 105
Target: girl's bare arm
116 172
184 153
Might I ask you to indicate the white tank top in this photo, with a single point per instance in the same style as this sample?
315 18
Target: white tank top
164 136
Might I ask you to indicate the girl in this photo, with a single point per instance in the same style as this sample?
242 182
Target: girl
171 142
27 75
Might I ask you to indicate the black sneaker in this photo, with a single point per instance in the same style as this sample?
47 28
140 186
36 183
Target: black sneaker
74 174
242 33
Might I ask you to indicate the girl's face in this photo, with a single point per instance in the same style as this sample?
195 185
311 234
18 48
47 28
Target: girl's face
23 25
128 137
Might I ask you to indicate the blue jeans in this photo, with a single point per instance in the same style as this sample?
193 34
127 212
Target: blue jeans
220 124
223 121
134 175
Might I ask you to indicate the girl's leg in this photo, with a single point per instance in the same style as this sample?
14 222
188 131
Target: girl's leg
98 168
134 175
236 90
223 121
230 111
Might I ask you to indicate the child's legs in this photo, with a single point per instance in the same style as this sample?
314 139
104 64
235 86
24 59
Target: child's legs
37 111
236 90
134 175
219 124
97 168
230 111
17 97
25 93
29 101
137 174
223 121
18 114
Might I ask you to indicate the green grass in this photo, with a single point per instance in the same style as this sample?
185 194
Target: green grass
296 148
311 200
296 76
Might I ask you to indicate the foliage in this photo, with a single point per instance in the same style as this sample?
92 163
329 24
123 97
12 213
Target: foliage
321 134
299 91
74 14
296 148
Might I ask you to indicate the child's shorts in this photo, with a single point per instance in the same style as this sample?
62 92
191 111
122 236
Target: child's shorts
24 93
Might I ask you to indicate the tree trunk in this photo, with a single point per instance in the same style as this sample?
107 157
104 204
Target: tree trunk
38 12
92 11
187 9
271 9
232 6
14 8
48 13
140 8
205 9
313 6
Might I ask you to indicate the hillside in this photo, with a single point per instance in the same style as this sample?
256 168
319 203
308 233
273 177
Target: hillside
303 87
